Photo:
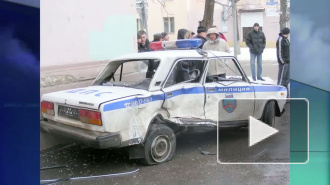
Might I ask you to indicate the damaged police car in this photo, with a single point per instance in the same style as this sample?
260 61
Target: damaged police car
142 100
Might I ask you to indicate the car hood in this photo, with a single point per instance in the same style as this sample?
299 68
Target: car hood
92 96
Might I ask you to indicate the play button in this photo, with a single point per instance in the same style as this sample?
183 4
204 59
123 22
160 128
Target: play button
259 131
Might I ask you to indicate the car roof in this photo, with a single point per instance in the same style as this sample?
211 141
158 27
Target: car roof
170 56
212 54
166 54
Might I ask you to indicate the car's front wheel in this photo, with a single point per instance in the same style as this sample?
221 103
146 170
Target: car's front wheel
269 114
159 145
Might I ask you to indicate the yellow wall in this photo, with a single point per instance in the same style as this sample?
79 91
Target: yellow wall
186 13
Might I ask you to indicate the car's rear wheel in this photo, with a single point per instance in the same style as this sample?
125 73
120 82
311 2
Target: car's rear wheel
269 114
159 145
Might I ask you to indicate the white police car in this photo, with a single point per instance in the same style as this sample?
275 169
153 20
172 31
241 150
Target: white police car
141 100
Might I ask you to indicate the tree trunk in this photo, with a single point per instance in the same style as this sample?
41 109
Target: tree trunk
207 21
283 16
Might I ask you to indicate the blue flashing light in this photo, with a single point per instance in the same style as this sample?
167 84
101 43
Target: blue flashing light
188 43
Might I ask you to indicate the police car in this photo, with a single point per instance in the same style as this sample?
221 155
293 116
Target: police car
142 100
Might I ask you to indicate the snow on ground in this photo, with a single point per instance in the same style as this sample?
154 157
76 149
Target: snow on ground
269 54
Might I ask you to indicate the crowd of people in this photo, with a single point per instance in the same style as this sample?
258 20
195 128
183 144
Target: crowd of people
217 40
214 40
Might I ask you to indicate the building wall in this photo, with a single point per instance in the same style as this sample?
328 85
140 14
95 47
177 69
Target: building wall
80 31
156 13
271 19
195 14
188 13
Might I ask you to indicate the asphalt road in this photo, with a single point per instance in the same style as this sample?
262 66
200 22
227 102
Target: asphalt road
188 166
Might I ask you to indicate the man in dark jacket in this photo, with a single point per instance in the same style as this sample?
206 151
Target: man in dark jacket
201 34
283 58
143 44
256 41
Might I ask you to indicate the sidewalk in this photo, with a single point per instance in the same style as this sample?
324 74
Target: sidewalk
87 72
59 75
269 54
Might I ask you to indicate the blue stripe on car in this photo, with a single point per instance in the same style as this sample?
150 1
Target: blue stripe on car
195 90
268 88
132 102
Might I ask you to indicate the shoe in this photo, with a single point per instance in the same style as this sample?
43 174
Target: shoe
261 79
254 79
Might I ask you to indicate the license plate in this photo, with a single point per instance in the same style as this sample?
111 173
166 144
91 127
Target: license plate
68 112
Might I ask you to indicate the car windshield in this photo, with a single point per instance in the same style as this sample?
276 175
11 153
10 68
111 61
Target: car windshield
132 73
224 71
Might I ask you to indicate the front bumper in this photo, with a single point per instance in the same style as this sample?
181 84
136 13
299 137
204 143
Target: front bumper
90 138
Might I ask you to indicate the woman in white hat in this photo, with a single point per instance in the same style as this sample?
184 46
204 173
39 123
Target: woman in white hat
215 43
217 67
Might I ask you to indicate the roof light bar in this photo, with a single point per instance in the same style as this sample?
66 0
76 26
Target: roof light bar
178 44
189 43
156 45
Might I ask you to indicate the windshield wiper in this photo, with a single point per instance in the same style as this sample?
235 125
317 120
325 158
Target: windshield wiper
108 84
218 79
235 82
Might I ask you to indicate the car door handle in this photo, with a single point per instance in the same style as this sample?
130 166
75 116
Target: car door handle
141 106
211 89
169 94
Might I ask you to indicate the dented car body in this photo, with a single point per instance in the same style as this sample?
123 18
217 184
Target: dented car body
143 99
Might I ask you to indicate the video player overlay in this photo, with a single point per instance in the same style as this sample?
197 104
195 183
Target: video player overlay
263 131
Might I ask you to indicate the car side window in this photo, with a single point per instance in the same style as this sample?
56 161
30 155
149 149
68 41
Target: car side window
189 71
223 69
133 73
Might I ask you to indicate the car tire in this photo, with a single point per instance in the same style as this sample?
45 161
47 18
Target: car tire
269 114
160 145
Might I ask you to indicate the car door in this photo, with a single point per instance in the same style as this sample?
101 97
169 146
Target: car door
184 91
227 84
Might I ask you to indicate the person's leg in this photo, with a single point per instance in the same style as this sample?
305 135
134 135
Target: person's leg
280 74
259 70
286 77
252 61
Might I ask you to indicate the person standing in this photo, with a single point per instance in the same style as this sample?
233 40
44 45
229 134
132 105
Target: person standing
217 67
184 34
256 41
283 58
215 43
201 34
143 44
157 37
165 36
221 35
193 34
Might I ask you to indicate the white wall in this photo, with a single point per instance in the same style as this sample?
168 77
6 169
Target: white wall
175 8
79 31
195 14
